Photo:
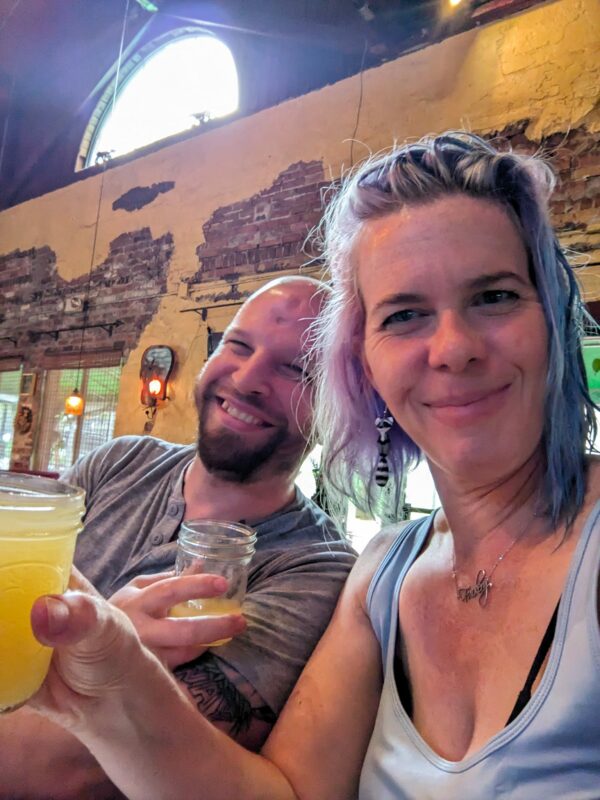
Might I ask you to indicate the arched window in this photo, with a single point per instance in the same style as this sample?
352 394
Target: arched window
166 88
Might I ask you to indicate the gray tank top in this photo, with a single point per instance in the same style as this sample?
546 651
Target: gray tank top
550 751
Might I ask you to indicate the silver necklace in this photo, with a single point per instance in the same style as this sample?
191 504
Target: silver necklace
483 581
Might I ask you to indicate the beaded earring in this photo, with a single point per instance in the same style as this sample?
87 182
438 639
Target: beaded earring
383 425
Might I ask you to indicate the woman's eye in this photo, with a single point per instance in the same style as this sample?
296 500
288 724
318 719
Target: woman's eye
493 297
405 315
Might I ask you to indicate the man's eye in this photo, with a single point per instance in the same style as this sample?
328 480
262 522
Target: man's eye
238 346
293 372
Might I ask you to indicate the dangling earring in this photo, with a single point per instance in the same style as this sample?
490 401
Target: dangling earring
383 425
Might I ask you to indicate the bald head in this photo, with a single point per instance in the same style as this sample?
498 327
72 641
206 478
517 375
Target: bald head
294 292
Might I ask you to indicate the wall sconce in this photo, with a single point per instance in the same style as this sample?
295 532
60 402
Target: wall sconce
157 365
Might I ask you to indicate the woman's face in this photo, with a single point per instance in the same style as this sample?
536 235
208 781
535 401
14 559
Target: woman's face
455 340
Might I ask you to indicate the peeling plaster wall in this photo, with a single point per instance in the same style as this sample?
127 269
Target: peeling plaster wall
534 76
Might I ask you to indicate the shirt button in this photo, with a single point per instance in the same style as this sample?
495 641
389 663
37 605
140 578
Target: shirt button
156 538
173 509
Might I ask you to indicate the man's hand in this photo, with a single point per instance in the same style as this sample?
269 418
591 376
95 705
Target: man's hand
147 601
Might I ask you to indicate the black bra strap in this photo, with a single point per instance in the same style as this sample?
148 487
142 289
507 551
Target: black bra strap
525 693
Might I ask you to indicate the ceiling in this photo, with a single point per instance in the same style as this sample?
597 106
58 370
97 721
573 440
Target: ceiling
57 57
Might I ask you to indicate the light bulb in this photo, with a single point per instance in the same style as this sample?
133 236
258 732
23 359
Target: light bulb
154 387
74 404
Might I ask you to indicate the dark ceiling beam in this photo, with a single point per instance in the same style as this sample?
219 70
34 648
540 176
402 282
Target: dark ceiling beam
347 38
497 9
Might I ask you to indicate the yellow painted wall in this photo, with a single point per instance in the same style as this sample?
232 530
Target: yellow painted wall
542 64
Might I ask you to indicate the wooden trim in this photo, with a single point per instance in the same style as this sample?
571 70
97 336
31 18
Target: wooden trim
98 358
10 363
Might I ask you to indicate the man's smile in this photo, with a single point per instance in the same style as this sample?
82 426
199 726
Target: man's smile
244 416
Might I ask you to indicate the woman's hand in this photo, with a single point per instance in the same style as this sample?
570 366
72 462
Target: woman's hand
97 651
147 601
116 697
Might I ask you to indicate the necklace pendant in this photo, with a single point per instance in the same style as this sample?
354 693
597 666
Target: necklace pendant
479 589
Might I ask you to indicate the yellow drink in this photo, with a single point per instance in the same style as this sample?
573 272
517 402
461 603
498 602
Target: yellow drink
208 607
37 539
23 660
215 547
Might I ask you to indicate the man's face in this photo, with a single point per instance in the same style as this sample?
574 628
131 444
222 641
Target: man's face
254 407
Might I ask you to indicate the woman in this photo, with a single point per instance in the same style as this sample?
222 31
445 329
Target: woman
452 332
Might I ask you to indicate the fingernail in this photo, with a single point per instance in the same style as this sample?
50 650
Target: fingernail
58 614
219 583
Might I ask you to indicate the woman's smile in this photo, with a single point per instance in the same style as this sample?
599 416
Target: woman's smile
469 407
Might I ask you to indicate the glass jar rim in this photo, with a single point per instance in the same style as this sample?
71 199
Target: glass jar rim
24 481
228 532
17 488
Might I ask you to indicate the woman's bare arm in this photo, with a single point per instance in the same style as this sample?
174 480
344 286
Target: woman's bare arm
118 699
321 737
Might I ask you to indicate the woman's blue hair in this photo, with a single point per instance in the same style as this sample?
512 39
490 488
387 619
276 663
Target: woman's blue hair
346 403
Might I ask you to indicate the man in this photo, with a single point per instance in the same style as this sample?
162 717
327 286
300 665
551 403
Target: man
254 410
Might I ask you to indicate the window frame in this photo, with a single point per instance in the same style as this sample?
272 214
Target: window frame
20 399
127 72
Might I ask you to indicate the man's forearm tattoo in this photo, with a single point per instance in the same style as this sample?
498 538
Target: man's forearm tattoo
219 696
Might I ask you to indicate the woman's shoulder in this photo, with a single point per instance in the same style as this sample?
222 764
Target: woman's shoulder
593 461
592 494
372 556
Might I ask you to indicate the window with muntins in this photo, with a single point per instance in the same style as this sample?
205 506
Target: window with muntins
62 438
10 382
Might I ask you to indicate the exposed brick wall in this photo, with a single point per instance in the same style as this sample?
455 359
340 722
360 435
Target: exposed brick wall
126 288
141 196
36 300
575 203
265 233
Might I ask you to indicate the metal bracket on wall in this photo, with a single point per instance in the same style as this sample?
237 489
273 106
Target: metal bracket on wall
203 310
35 336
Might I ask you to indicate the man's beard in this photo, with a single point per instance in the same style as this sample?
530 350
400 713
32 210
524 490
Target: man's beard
228 454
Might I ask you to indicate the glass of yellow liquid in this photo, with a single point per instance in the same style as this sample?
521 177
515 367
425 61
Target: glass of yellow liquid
218 548
39 522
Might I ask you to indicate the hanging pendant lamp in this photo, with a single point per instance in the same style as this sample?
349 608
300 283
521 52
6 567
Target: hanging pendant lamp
74 404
